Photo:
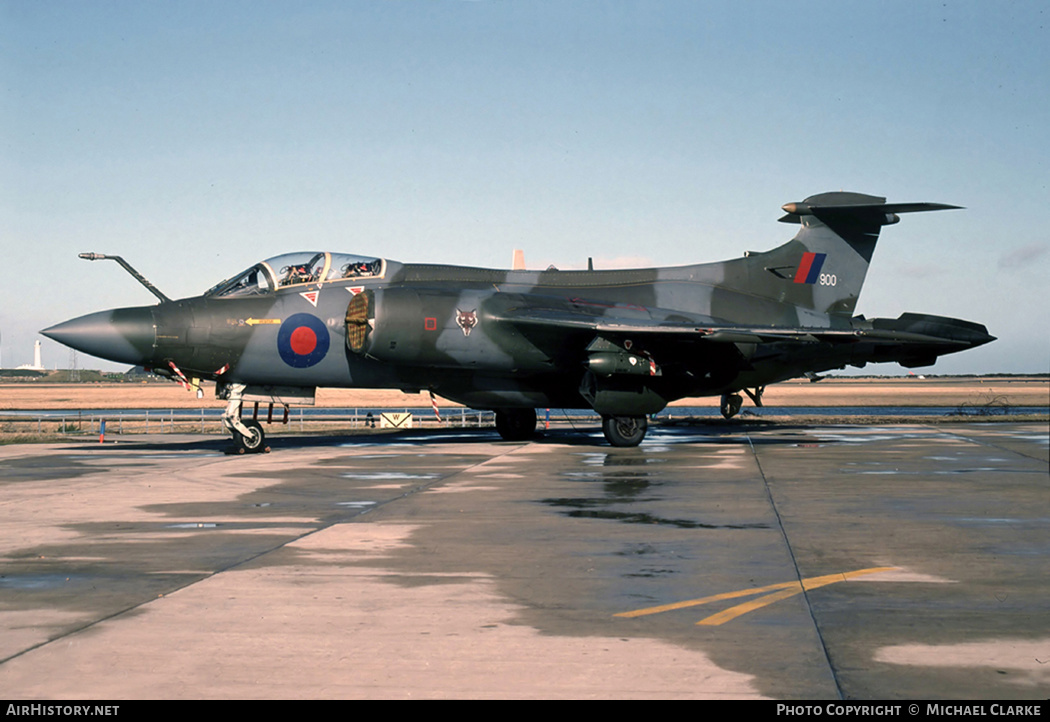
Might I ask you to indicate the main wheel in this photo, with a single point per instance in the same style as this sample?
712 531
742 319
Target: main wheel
516 424
731 404
624 430
252 444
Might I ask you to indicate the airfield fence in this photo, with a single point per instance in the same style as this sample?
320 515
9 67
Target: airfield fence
209 421
16 424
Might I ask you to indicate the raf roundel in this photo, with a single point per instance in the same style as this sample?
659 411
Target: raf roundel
302 341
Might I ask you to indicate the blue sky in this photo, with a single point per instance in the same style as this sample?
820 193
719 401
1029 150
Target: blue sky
195 138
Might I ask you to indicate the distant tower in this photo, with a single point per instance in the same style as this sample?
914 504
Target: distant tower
36 365
74 372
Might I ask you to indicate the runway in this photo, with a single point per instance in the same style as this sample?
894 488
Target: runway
730 560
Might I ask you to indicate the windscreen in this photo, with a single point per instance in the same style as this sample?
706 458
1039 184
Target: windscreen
292 269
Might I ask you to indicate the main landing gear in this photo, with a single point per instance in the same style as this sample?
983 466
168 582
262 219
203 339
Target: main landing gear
624 430
520 425
516 424
248 436
731 403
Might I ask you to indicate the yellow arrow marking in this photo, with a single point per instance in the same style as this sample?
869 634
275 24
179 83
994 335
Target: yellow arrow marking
779 591
255 321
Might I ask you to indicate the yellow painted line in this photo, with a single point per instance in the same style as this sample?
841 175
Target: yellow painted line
778 592
741 609
815 582
255 321
704 600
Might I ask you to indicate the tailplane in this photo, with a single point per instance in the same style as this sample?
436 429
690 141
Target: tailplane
823 267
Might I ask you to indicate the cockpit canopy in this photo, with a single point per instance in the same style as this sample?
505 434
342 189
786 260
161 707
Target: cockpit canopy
293 269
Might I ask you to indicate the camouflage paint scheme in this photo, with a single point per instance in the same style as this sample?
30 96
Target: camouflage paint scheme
623 342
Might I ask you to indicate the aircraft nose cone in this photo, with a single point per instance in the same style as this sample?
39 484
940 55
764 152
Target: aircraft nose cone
124 335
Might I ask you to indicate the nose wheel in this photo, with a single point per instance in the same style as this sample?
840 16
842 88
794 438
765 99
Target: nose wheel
248 436
254 442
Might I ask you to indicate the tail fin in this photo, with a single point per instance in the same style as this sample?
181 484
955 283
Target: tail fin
823 267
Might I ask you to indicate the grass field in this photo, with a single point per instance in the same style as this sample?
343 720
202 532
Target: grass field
171 409
827 393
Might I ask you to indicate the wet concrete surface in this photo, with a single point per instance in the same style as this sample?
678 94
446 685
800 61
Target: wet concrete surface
726 561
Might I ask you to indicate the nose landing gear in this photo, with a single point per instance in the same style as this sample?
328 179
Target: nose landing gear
248 436
253 442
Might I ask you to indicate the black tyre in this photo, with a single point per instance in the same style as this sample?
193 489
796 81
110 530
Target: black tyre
254 444
731 404
624 430
516 424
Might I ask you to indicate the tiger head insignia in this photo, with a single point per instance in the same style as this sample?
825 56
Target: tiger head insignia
467 320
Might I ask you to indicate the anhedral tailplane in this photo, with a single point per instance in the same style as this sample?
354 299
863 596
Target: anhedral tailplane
827 260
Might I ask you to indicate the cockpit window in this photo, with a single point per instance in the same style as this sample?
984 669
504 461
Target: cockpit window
256 280
293 269
347 266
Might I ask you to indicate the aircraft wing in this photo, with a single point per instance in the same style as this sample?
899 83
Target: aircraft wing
645 323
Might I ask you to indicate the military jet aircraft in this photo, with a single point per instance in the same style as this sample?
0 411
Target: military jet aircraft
621 342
